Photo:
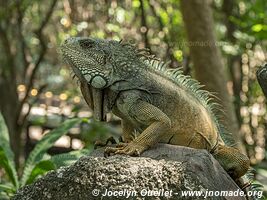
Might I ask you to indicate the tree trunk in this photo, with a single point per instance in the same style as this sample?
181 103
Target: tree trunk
8 106
234 61
198 19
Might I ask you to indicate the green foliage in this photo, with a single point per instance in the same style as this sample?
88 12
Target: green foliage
95 130
6 154
251 20
39 169
65 159
43 145
38 162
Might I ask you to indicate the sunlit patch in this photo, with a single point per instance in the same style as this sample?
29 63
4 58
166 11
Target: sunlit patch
35 132
21 88
77 144
48 94
64 141
76 99
34 92
63 96
65 21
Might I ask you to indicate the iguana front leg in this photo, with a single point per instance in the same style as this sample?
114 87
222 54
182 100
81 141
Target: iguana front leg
145 114
127 131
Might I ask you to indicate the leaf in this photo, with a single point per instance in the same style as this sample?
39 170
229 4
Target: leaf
43 145
257 27
6 154
40 169
55 162
7 188
65 159
136 4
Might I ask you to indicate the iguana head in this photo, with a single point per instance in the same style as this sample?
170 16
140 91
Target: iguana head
88 59
99 63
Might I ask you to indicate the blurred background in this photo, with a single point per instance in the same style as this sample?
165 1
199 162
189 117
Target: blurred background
38 92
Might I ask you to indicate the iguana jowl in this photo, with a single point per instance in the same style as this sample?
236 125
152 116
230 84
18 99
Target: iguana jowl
161 104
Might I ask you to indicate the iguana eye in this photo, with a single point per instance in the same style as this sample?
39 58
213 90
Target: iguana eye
86 43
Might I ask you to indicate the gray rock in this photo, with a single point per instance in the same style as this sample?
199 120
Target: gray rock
164 171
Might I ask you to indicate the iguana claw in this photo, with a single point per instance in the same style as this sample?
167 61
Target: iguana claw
99 143
130 149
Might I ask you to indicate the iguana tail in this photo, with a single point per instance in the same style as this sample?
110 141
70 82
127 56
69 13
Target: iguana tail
238 167
232 160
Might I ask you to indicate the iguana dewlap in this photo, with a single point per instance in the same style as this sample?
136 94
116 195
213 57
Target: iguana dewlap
155 104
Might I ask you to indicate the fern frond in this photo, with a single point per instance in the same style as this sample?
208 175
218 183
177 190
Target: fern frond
65 159
54 162
6 154
251 186
43 145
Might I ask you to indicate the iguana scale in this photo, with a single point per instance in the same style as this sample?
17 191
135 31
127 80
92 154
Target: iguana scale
160 104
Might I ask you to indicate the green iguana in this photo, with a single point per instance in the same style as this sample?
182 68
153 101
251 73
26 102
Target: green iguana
160 104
